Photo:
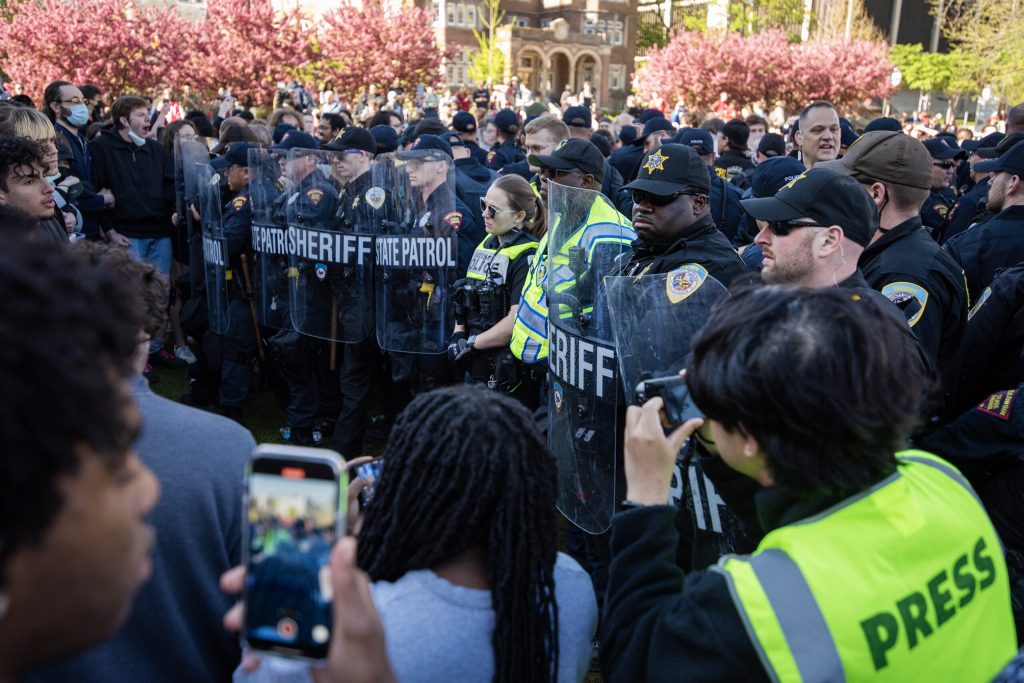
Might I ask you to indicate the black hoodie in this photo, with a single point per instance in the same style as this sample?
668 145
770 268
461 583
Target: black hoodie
142 180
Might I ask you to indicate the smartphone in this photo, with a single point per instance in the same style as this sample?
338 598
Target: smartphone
294 511
370 472
678 404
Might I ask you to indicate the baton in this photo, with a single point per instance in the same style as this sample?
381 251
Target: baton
247 286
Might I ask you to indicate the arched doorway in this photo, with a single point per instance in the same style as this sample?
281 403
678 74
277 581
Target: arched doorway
529 69
560 73
588 70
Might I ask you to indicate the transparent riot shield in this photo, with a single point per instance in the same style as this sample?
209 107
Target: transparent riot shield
655 317
268 192
216 262
417 250
332 256
187 154
586 236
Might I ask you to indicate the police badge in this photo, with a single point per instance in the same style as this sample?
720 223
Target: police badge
375 197
321 271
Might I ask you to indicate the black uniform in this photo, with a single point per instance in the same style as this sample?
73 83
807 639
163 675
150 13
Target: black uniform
936 210
626 161
503 155
909 268
994 341
703 245
476 170
986 248
476 151
731 164
966 210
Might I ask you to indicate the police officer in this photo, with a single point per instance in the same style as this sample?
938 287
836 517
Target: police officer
471 178
984 212
311 197
971 203
724 196
487 299
999 242
672 217
464 124
940 201
902 261
506 152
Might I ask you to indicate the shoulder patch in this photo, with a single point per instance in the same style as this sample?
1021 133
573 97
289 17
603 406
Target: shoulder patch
998 404
375 197
684 281
910 297
722 173
491 155
981 302
239 202
314 196
454 219
941 209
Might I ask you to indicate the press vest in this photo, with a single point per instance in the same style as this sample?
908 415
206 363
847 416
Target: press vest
530 331
903 582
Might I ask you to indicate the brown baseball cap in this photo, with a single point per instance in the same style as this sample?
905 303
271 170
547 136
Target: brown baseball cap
887 156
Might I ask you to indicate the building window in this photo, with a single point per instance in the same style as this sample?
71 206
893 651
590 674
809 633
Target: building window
545 23
526 62
617 77
471 16
611 32
450 14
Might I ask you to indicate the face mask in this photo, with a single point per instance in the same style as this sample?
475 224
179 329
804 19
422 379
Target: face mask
139 141
52 179
79 115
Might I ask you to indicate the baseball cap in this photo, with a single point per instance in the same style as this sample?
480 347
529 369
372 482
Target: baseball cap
237 155
602 144
652 126
353 138
453 139
627 134
667 169
940 149
847 135
883 123
578 117
297 139
537 109
507 121
385 137
772 145
1012 161
990 140
429 147
648 114
698 138
737 133
574 153
887 156
826 197
771 174
464 122
280 130
1000 148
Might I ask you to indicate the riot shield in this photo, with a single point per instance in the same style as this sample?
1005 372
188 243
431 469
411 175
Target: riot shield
417 249
332 256
267 189
216 262
586 236
188 153
655 317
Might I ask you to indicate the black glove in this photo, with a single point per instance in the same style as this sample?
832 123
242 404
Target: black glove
456 336
460 349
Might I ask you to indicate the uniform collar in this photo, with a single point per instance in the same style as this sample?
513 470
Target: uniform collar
898 232
703 227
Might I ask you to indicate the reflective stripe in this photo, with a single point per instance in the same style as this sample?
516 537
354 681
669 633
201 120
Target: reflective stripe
807 634
946 469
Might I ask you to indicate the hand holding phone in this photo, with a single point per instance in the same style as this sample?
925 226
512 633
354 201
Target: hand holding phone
678 404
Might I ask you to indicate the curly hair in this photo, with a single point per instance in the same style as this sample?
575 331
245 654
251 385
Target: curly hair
466 468
67 334
151 284
19 152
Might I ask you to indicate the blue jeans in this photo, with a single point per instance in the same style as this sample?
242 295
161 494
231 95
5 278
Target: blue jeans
156 250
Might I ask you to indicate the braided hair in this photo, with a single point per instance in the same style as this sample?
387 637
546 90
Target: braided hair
466 468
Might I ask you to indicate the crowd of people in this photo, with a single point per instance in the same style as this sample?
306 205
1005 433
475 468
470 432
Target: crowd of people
847 506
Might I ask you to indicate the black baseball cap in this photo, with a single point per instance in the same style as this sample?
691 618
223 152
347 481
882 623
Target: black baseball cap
429 147
697 138
772 145
570 154
667 169
628 134
737 132
990 140
1012 161
453 139
655 124
352 138
941 150
1000 147
648 114
385 137
280 130
773 173
577 117
883 123
826 197
507 121
297 139
464 122
847 135
237 155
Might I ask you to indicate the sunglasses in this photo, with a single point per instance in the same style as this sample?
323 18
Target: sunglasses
658 200
492 211
945 164
783 228
556 173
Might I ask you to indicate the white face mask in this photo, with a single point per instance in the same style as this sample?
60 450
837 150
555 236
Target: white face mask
139 141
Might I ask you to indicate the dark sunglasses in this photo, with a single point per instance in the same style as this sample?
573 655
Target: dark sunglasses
658 200
783 228
556 173
492 211
945 164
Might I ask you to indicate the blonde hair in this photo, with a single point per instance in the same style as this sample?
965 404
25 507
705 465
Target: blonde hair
25 122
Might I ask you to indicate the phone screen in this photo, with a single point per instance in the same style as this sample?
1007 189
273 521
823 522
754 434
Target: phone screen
292 521
370 472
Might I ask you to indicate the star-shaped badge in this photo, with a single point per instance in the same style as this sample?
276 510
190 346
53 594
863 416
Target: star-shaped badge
656 162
